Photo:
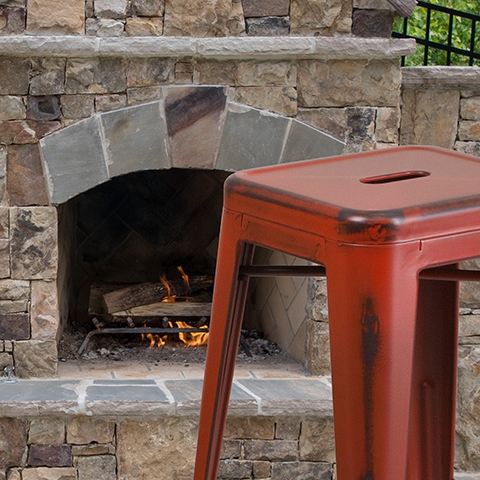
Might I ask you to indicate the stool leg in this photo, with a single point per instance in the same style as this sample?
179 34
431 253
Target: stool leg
432 423
372 314
225 327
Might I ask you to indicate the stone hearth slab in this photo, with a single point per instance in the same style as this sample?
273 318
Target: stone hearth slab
153 397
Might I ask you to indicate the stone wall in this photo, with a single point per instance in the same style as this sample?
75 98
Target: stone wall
86 448
114 18
135 429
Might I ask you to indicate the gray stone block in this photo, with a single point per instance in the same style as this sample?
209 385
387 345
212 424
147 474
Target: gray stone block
251 138
268 26
188 393
305 142
296 395
74 160
135 139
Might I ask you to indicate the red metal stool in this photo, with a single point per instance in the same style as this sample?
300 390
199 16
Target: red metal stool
389 226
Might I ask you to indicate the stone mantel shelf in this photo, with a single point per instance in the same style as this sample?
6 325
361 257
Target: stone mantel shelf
221 48
439 76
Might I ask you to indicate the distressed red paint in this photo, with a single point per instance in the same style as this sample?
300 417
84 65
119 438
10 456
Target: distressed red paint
393 381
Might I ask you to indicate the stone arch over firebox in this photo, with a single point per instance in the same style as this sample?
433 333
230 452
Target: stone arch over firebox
189 127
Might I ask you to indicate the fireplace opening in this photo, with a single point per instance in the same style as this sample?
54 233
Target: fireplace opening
137 264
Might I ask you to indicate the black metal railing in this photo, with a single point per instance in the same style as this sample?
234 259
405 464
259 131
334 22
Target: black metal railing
455 51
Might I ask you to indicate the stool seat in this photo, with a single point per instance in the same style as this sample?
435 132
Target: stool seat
375 220
381 196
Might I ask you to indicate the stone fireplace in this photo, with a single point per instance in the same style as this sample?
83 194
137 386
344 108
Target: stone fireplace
190 134
138 191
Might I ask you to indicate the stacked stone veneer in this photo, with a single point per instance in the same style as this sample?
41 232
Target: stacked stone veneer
147 429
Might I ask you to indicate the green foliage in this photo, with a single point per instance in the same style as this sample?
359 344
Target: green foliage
439 23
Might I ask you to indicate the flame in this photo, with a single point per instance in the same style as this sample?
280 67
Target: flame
191 339
155 340
184 276
170 297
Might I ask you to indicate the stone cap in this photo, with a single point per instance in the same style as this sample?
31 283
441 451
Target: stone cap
416 77
153 397
215 48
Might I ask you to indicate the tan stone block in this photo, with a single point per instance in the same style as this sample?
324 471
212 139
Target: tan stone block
47 431
104 27
373 5
320 17
136 96
44 310
14 79
231 448
266 8
262 469
429 117
77 106
318 348
6 360
111 8
99 466
338 83
329 120
470 108
147 72
204 18
387 125
35 358
139 444
93 449
14 474
287 428
13 435
273 450
85 430
100 75
4 228
12 108
5 262
34 247
282 100
144 27
470 291
467 453
14 291
251 427
317 443
148 8
48 76
469 130
254 73
212 72
107 103
46 473
49 16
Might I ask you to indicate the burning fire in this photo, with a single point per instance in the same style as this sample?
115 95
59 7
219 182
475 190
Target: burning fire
155 340
190 339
